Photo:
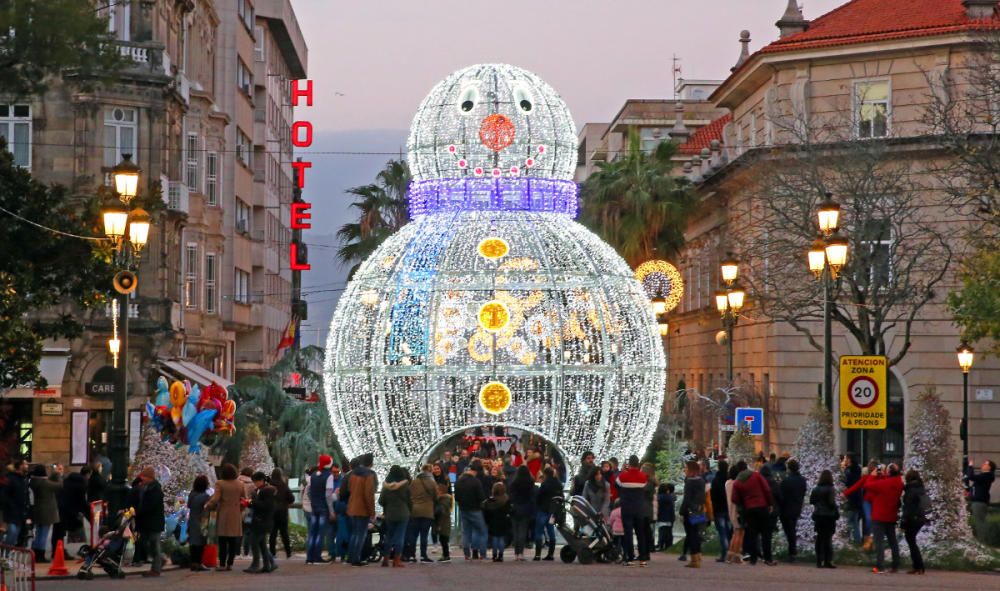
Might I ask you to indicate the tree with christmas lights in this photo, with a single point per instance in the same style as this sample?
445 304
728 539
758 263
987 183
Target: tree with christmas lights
176 468
255 454
932 453
741 446
815 451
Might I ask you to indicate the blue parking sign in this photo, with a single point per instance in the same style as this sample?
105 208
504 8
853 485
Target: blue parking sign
752 417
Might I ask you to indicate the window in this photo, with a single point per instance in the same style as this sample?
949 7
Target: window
753 129
244 148
650 137
119 15
191 276
120 133
242 216
191 166
15 129
872 108
244 78
258 44
876 255
242 287
245 10
211 290
212 177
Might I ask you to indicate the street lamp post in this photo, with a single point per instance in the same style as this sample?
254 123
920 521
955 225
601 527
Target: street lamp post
729 303
128 233
965 358
826 257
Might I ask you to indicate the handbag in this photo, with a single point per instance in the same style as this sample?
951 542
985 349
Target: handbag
697 519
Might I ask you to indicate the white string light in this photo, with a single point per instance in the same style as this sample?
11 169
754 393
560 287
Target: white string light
524 297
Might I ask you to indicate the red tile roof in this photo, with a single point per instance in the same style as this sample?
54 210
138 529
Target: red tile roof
702 138
862 21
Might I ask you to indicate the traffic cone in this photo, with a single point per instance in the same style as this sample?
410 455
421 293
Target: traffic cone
209 558
58 568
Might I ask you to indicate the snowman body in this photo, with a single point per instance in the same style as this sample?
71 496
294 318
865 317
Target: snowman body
493 306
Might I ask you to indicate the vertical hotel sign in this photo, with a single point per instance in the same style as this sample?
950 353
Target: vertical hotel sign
302 137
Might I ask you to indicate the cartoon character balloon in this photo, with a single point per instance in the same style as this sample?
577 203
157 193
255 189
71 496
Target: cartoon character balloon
493 306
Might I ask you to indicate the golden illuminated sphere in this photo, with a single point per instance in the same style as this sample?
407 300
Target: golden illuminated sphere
493 316
494 397
493 248
661 279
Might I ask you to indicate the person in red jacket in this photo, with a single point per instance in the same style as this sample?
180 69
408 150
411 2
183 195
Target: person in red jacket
752 497
885 493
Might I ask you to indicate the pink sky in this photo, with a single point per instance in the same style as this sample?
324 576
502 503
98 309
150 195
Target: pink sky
384 55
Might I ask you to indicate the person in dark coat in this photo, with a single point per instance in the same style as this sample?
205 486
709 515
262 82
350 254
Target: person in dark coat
496 512
545 532
97 484
523 509
283 497
915 505
720 504
469 496
149 519
587 468
855 501
979 493
793 494
262 504
15 502
45 512
665 515
779 503
825 515
73 506
197 499
397 505
693 512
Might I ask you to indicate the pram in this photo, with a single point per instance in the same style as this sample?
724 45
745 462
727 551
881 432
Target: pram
589 539
109 553
376 540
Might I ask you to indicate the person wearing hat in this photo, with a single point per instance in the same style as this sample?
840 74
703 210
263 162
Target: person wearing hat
149 519
319 519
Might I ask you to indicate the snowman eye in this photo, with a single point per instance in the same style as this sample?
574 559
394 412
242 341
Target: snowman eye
467 100
523 98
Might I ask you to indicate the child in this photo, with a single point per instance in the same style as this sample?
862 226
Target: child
496 511
442 519
665 516
615 524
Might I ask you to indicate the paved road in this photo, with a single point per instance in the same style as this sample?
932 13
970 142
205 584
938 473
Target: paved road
664 572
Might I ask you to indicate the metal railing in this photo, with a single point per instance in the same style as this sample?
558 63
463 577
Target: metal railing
17 568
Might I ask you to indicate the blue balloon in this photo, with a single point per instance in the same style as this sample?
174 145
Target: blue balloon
191 406
162 392
153 419
197 427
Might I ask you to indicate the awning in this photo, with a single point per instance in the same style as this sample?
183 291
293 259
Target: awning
52 366
179 369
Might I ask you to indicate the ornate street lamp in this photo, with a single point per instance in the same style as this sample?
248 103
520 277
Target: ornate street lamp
126 176
836 253
659 305
828 215
827 256
729 270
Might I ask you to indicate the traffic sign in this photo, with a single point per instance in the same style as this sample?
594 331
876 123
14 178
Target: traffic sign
752 417
863 391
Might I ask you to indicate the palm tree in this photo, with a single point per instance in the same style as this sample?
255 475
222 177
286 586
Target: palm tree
383 211
637 205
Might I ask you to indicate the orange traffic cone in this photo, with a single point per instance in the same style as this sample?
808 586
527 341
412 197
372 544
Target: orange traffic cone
209 557
58 568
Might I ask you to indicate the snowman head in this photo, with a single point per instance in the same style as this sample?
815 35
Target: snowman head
492 121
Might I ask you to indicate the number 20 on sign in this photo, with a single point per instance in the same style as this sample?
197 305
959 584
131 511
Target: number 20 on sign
863 391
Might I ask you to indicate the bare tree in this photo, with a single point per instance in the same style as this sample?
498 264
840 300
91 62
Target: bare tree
897 251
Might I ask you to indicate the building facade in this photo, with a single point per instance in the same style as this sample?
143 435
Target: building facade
859 79
184 108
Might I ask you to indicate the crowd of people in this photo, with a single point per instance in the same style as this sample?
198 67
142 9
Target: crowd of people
505 500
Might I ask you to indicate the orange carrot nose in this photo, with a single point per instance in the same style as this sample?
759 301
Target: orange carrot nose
497 132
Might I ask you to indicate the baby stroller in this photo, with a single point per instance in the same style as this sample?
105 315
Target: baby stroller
590 538
109 553
376 539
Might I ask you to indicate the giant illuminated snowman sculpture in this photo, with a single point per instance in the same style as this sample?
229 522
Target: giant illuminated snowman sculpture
493 307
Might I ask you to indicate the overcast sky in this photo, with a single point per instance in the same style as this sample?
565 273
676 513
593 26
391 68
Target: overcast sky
372 62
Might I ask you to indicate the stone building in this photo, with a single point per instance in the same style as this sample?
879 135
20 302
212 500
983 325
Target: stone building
866 70
185 108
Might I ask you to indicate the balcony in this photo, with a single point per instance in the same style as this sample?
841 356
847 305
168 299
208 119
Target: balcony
177 196
250 357
146 57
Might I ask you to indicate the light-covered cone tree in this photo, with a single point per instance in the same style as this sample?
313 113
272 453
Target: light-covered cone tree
255 454
175 467
741 447
932 453
815 452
